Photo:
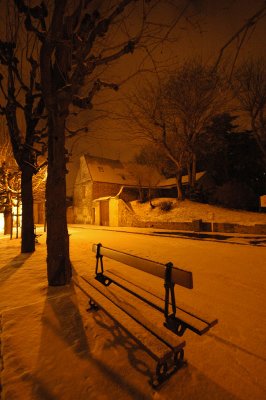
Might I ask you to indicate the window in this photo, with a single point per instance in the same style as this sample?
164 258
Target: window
100 169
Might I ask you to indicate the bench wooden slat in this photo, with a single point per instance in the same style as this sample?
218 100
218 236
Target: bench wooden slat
179 276
154 347
192 314
168 339
193 323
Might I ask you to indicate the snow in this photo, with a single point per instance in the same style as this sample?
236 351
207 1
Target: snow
51 348
185 211
107 170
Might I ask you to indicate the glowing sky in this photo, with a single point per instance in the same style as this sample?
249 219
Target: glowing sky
208 26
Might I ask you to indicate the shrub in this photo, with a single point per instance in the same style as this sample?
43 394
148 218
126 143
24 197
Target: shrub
166 205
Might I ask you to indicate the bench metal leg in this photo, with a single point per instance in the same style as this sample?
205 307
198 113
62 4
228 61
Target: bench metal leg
92 305
103 279
175 325
179 358
167 367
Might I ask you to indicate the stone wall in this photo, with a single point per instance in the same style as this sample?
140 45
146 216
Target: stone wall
258 229
82 202
70 215
84 194
128 218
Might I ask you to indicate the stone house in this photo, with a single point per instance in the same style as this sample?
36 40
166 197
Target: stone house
98 180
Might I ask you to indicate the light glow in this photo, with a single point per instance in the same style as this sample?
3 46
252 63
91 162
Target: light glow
2 222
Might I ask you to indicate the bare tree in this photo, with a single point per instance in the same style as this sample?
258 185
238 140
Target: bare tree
79 42
6 154
152 120
22 106
147 177
39 183
195 93
249 87
9 192
9 182
173 114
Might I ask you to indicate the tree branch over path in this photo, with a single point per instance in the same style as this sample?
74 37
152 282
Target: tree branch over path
79 44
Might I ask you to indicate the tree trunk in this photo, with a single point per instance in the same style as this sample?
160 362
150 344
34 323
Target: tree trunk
141 196
193 171
149 195
7 221
179 185
58 262
27 232
189 172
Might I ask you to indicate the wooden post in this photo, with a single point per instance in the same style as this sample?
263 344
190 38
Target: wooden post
17 219
11 231
7 222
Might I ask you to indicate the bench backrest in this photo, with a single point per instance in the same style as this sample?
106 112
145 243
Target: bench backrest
178 276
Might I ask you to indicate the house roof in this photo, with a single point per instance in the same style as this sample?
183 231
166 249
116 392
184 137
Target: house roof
106 170
171 182
109 171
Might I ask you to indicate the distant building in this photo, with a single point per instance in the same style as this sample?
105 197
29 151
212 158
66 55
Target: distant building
171 182
98 178
104 186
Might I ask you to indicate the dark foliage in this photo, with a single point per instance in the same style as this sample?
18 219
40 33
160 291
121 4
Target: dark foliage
234 194
166 205
234 160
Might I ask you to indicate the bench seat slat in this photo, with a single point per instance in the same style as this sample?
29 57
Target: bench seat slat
168 339
154 347
179 276
194 324
192 315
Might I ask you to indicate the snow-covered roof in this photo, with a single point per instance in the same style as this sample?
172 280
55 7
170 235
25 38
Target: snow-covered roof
171 182
102 198
109 171
106 170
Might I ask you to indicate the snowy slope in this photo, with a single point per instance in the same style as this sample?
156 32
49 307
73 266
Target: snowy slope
188 210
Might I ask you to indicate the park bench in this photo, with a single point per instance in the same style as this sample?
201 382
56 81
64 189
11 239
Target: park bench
139 309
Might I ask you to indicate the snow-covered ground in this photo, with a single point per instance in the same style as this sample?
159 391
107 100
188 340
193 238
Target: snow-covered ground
185 211
51 348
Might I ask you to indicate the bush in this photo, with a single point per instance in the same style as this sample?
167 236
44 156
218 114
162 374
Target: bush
235 194
197 194
166 205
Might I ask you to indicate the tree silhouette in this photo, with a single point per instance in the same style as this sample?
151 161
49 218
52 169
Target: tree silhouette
22 106
249 87
79 42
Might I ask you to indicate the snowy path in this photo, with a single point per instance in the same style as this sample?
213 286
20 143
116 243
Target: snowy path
53 349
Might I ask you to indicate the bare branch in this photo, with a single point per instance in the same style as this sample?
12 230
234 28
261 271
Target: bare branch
72 132
86 102
248 25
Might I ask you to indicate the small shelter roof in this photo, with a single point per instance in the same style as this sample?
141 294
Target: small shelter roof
171 182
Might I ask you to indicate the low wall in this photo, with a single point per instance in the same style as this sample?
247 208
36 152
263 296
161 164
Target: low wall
237 228
129 218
